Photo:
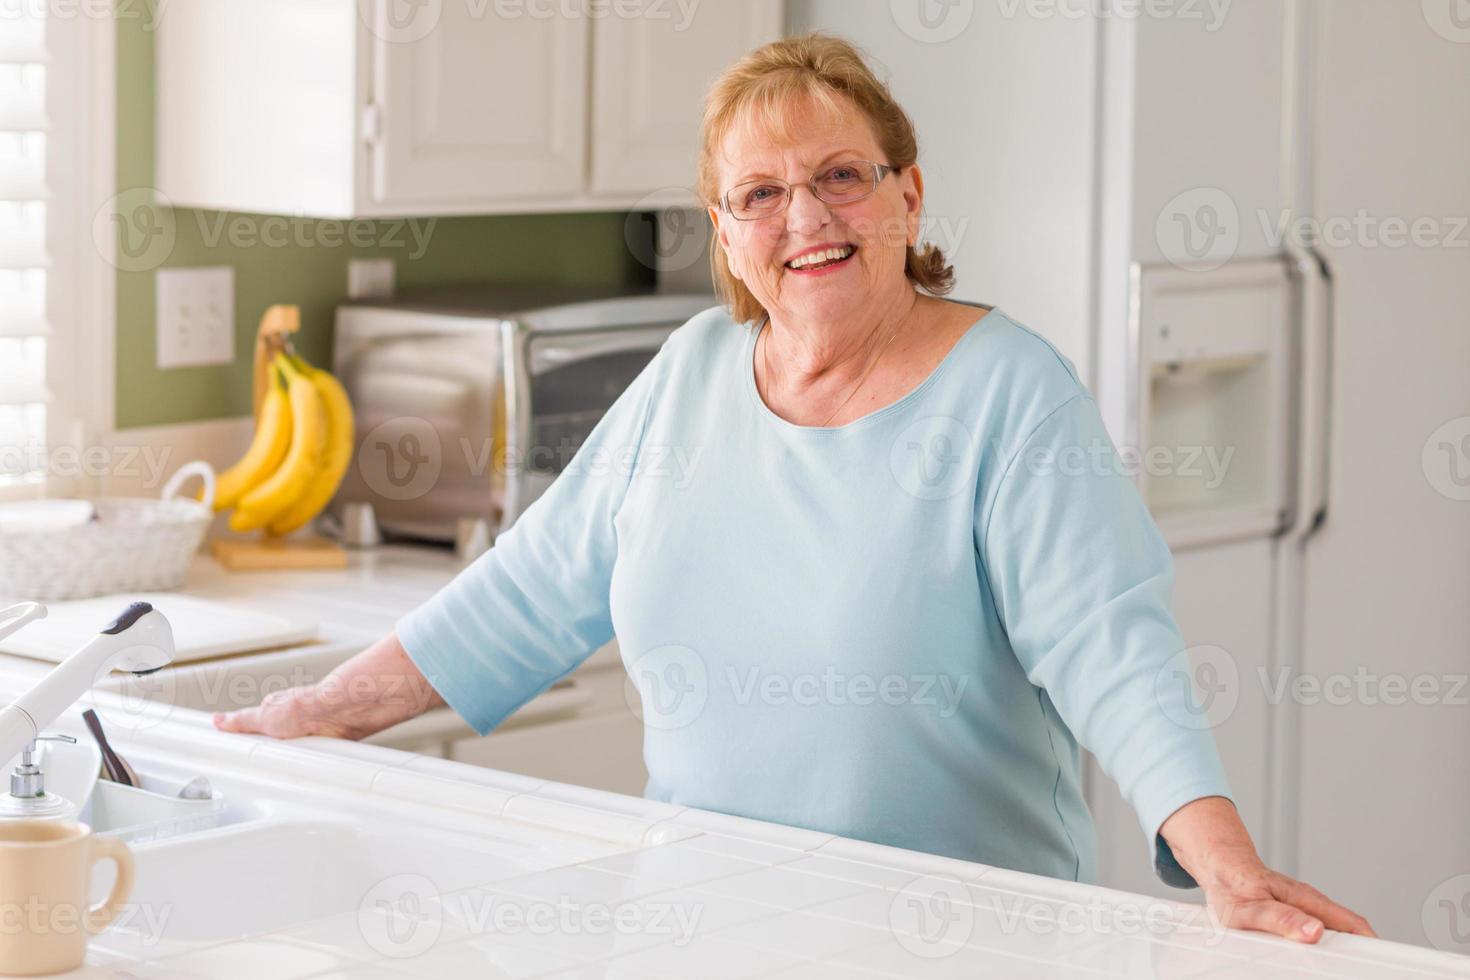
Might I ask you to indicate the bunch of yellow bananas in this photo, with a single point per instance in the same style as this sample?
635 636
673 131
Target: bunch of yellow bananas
300 452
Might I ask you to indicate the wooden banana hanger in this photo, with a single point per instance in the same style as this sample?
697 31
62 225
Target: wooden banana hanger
253 553
273 336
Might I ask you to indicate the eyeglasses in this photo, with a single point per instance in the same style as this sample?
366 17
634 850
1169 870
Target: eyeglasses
841 183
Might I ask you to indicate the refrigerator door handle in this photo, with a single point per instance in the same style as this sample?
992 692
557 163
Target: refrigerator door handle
1314 389
1314 394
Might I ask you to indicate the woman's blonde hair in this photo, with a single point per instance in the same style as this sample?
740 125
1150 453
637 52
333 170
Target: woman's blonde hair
757 91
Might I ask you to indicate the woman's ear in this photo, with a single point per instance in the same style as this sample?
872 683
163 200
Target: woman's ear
724 239
913 199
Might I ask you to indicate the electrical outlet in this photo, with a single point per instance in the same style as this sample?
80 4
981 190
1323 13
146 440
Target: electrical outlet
370 279
196 316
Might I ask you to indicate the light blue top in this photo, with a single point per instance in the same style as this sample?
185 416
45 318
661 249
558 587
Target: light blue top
896 630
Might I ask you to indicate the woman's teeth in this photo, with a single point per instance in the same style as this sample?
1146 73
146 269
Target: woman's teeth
815 260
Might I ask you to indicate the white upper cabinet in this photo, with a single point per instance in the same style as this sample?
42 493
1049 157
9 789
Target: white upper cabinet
649 77
482 109
254 105
375 108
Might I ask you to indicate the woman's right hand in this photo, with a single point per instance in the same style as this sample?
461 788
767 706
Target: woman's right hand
376 689
292 713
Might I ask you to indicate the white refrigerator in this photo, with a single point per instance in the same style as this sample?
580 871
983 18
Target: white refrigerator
1286 279
1068 149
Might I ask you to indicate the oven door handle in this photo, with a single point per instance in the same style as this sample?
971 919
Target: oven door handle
516 338
515 345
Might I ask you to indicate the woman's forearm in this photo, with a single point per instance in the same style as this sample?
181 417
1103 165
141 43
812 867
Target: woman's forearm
372 691
377 688
1205 835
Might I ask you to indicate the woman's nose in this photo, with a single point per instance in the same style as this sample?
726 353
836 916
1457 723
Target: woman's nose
805 214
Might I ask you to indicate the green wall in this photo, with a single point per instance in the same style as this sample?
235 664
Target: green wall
310 270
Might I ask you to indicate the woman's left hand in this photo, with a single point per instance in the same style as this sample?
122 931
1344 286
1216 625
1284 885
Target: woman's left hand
1246 894
1210 842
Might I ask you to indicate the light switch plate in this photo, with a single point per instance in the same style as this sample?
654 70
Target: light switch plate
196 316
370 278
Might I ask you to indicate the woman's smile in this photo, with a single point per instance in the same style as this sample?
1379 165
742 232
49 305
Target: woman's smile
821 260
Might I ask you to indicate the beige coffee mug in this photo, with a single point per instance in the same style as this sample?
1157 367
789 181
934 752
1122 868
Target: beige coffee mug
45 881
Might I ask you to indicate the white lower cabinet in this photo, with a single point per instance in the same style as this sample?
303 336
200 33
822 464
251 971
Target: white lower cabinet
602 752
596 742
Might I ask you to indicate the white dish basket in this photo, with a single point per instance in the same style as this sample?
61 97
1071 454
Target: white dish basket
131 544
152 811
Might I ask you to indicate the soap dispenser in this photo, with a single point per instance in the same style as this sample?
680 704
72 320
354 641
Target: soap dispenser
28 798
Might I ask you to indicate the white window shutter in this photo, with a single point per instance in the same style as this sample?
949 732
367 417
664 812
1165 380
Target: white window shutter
23 247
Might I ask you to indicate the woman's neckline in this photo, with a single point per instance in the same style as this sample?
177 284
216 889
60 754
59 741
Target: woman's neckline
748 357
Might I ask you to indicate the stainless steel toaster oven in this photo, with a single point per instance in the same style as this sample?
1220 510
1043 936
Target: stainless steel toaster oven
470 401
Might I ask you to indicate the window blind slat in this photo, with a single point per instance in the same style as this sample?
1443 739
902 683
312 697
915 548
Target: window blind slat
21 51
23 119
20 186
22 256
18 325
20 395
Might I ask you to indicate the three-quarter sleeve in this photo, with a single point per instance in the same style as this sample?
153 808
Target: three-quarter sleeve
1081 579
535 605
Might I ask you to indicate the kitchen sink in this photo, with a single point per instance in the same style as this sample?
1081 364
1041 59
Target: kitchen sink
268 874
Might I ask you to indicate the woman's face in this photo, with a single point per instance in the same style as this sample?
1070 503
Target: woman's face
877 229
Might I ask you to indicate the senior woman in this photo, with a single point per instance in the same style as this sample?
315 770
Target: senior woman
876 600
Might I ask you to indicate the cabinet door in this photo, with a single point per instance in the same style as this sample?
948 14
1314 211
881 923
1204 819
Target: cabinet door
604 752
650 74
484 108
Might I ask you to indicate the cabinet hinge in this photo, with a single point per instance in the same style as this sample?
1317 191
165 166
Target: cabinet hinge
372 124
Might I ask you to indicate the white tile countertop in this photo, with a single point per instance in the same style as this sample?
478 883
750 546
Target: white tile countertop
595 885
604 886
